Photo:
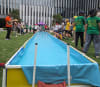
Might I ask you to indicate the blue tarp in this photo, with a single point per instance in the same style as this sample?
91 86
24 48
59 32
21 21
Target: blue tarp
83 74
51 65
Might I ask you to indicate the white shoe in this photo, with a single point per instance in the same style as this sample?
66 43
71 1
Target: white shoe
97 57
6 39
73 41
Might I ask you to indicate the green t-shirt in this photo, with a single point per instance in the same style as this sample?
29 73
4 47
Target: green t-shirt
43 28
93 27
30 27
79 23
26 26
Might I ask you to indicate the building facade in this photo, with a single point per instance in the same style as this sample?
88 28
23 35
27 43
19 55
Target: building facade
34 11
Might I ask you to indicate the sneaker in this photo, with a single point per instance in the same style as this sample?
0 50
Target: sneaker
6 39
97 57
73 41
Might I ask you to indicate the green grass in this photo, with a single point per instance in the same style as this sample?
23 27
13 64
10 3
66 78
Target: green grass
90 53
9 47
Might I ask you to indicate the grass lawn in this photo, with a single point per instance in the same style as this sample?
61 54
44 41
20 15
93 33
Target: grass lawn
90 53
9 47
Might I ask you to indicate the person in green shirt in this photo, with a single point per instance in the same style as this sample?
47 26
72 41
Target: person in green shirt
30 28
43 28
27 28
79 32
92 30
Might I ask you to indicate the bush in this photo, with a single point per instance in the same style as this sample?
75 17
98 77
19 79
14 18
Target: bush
15 14
57 18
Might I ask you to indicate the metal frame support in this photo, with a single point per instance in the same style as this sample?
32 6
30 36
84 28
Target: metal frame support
4 78
34 69
68 65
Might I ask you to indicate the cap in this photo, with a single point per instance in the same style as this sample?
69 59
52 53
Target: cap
81 12
75 17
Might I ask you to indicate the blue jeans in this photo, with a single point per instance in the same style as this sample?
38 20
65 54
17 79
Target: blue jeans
96 41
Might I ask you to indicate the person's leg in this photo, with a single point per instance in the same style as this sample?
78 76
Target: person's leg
73 36
82 39
30 30
63 33
26 30
96 41
87 42
71 33
16 31
76 39
20 31
55 33
8 33
66 33
33 31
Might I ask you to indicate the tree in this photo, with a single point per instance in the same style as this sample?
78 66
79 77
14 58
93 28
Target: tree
15 14
57 18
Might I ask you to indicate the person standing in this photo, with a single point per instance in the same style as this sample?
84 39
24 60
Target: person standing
55 29
92 28
22 28
15 28
74 28
8 26
79 32
67 28
30 28
27 28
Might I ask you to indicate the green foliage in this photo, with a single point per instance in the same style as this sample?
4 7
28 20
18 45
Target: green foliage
15 14
57 18
90 53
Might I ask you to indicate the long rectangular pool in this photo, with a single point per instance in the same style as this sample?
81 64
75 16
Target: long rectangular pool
51 64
